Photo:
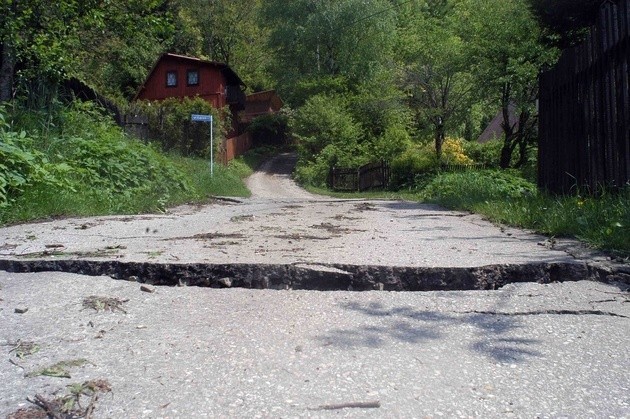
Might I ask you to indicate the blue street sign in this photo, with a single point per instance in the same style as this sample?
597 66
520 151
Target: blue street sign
201 118
207 118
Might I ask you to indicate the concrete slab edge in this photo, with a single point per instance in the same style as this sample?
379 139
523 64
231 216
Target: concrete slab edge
325 277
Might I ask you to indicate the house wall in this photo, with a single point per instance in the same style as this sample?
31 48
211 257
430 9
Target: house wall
211 85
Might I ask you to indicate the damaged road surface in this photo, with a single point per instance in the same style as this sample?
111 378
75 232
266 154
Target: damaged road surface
542 335
284 237
526 350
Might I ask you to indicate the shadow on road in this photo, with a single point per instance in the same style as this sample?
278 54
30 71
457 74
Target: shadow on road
494 336
283 164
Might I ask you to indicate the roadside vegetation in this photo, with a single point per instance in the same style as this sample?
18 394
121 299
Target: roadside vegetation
602 221
74 161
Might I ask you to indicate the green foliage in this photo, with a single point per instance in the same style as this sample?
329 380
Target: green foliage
84 165
436 76
21 166
327 135
505 60
227 181
566 21
230 32
270 129
413 166
110 45
307 86
505 197
463 190
171 128
487 154
329 38
385 120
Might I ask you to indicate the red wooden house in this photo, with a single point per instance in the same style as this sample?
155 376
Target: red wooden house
180 76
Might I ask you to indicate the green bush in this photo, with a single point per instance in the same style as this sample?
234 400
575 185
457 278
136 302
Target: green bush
488 153
411 166
270 130
170 125
464 190
327 136
505 197
21 165
83 164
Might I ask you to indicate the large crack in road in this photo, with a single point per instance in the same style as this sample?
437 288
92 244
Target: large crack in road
286 238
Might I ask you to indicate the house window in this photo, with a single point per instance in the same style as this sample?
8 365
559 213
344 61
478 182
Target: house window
171 78
192 77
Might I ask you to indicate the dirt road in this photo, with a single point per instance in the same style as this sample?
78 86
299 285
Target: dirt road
273 180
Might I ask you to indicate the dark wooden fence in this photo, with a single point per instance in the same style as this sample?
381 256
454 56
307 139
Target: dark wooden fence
233 147
369 176
137 125
584 114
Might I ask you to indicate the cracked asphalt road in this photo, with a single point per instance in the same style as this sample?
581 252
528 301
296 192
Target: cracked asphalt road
281 223
526 350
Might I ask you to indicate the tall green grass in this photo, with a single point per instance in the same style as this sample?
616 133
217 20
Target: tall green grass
504 197
82 164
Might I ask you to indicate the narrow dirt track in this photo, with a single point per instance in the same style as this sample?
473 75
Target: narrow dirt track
273 180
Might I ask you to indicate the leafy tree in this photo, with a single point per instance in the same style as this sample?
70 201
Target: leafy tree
434 72
33 37
505 53
327 135
117 46
327 40
104 42
229 32
565 20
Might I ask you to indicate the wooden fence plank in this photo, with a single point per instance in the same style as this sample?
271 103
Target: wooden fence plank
584 109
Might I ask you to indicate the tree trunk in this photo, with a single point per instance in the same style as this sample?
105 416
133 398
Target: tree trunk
508 128
522 153
7 68
524 134
506 153
439 139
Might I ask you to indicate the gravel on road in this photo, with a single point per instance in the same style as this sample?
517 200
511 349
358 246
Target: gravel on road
283 224
526 350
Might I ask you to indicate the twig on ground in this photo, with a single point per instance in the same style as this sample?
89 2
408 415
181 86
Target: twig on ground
350 405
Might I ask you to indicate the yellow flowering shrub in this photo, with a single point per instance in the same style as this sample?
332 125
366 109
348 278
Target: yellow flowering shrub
453 151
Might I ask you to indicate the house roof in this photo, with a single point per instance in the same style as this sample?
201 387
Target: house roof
265 96
230 75
261 103
494 130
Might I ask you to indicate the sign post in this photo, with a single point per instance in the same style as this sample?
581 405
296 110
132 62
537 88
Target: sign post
208 119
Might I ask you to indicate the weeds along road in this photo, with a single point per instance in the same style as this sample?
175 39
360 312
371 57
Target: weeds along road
283 224
524 350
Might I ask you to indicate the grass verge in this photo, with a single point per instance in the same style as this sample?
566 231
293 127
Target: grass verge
377 194
504 197
43 201
85 166
602 222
